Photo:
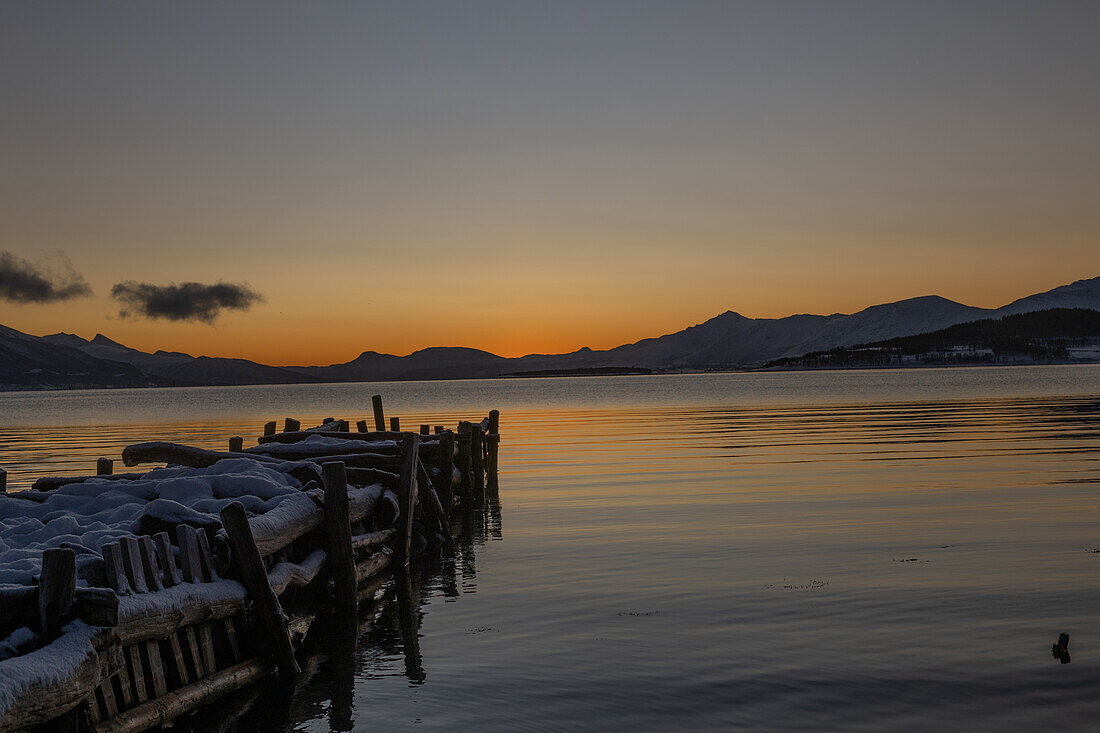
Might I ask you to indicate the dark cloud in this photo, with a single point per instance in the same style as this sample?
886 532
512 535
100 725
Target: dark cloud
22 282
183 302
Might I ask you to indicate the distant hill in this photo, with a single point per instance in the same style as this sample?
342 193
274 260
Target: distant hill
27 362
182 369
729 340
1047 335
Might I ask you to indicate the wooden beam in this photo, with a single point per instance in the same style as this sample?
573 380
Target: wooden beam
250 566
406 493
56 590
341 552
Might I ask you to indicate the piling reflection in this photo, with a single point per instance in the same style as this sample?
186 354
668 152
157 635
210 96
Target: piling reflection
385 644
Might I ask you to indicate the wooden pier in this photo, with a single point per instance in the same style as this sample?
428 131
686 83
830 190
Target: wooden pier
158 625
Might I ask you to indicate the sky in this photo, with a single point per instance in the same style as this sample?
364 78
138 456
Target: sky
532 177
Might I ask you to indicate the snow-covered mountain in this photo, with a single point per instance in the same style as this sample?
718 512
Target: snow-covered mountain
727 340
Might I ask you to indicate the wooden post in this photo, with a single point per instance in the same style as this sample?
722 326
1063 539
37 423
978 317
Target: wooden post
406 496
430 503
494 421
341 556
104 467
492 446
379 416
56 590
438 429
395 425
3 481
425 430
465 458
290 425
446 467
361 426
269 428
254 578
236 444
477 462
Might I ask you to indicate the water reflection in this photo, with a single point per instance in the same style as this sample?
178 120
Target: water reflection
386 643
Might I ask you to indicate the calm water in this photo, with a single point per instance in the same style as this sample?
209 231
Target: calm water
827 550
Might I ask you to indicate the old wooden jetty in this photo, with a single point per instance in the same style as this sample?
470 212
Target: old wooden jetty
131 625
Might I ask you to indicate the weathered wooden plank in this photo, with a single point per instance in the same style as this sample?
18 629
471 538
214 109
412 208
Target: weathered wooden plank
250 566
170 576
131 563
133 654
208 568
115 568
149 564
106 692
407 495
56 590
156 667
190 560
178 702
341 553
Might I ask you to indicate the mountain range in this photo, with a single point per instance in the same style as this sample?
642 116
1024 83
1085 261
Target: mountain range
729 340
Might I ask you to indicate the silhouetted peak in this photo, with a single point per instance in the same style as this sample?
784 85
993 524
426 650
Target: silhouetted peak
101 340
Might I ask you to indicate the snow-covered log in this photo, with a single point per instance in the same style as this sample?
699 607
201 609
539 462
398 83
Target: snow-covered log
48 682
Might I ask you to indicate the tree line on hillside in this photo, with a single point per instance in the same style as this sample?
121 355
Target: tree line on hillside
1039 335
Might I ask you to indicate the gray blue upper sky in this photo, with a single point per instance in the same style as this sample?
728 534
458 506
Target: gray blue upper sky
559 174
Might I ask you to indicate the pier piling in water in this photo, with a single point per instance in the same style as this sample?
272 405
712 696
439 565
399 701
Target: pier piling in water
181 617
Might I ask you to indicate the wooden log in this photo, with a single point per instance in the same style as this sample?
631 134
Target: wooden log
429 500
56 590
372 565
368 476
395 425
372 436
290 425
293 517
45 684
269 428
289 575
236 444
371 539
406 493
445 463
250 566
3 481
51 483
97 606
438 429
104 467
338 530
379 416
361 426
425 429
172 705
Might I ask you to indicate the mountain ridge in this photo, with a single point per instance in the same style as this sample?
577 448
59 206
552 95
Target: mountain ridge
727 340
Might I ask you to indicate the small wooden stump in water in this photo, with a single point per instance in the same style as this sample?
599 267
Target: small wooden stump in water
236 444
379 415
395 425
104 467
